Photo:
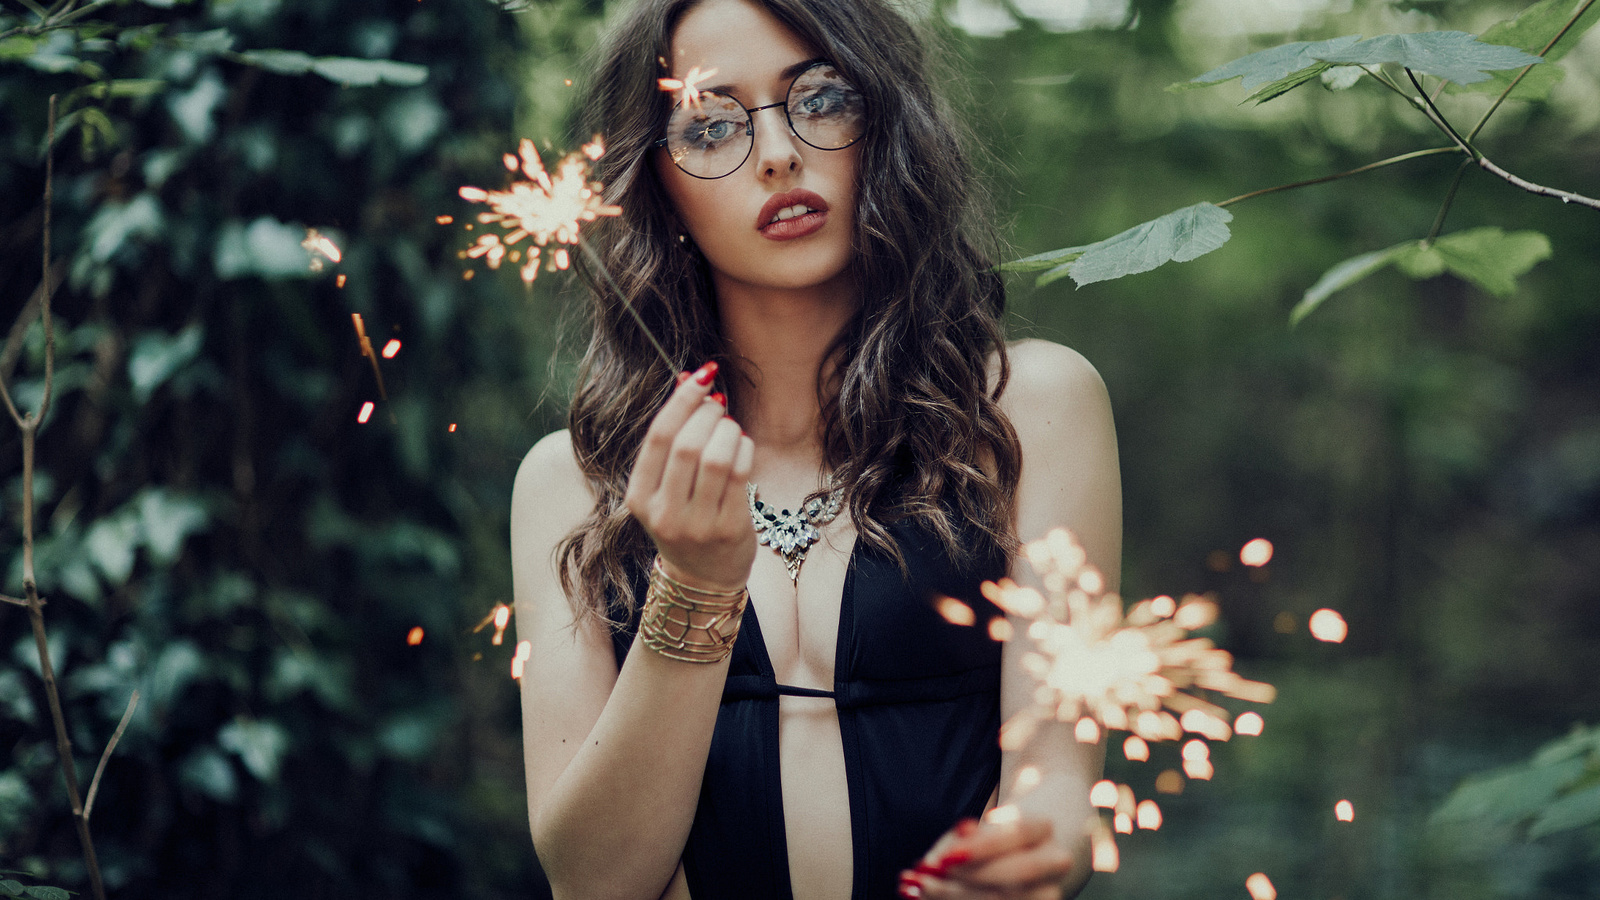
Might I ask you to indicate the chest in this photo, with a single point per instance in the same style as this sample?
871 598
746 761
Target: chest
800 619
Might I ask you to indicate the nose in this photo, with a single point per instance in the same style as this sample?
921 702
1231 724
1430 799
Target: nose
777 150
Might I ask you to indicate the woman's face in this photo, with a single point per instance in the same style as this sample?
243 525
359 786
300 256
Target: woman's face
732 219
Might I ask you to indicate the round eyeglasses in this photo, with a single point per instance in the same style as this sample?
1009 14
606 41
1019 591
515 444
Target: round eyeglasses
710 136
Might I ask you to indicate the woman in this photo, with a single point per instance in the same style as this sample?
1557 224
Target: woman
801 224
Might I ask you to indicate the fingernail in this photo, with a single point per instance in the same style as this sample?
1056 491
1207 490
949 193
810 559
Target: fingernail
927 868
707 373
719 398
966 827
955 858
682 377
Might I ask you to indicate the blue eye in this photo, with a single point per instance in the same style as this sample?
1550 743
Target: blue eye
821 101
705 133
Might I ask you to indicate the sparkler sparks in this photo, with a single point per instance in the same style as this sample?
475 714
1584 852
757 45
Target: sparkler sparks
1256 553
414 636
499 617
1327 625
544 208
1344 811
689 85
1260 887
320 248
1101 668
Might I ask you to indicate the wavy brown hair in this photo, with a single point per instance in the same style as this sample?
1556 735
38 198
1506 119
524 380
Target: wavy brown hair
912 428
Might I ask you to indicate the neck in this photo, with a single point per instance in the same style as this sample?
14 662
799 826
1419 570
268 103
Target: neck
780 339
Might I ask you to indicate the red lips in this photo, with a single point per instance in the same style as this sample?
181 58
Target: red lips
795 227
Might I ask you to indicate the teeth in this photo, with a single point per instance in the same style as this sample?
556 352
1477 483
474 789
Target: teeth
789 212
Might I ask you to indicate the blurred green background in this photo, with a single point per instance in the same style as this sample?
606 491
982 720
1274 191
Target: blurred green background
219 531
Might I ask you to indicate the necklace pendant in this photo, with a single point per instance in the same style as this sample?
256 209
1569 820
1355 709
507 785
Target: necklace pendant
789 534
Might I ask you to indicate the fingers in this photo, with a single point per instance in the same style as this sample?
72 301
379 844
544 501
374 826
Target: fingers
654 452
1011 860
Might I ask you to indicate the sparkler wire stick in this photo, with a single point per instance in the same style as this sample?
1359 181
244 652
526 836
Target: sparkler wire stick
594 259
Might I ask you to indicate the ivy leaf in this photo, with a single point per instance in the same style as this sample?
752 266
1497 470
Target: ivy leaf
259 745
1178 236
1340 78
157 356
1531 30
1487 257
45 892
1454 55
348 71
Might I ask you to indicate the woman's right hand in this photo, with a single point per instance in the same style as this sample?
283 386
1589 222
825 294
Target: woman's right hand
687 487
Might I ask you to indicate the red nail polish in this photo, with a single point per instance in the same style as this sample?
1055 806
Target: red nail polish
957 857
966 827
707 373
927 868
719 397
682 377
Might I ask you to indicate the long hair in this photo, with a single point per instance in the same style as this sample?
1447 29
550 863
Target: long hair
912 427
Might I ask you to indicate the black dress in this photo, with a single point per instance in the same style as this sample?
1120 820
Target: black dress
919 714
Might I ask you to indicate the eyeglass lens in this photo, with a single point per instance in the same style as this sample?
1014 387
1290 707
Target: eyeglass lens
712 138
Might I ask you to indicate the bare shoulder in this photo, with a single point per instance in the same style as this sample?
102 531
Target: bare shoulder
1050 386
1061 411
550 486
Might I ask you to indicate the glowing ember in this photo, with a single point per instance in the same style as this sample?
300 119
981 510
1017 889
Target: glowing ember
1103 856
524 650
1327 625
320 248
1256 553
502 615
1249 723
339 280
1149 815
366 412
1122 823
391 348
444 220
1003 815
1103 794
1086 731
547 207
1344 811
1206 724
955 612
1197 760
1000 629
1260 887
452 427
690 85
1135 749
1169 782
414 636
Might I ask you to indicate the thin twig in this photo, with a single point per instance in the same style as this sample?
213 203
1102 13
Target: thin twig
1415 154
1437 117
94 783
6 599
1530 187
1449 198
1518 80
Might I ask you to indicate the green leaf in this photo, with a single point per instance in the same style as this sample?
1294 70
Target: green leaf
1288 83
1507 795
260 745
282 62
1455 55
167 520
1178 236
363 72
1487 257
110 545
1491 258
1275 64
155 357
1342 276
208 772
266 248
1340 78
1575 810
44 892
10 888
1040 261
1532 30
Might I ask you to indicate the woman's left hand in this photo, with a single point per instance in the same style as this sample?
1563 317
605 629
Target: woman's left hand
988 861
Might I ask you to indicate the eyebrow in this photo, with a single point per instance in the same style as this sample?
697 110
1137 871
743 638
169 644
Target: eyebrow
788 74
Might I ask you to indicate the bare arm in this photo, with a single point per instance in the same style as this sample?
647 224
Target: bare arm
1058 405
614 759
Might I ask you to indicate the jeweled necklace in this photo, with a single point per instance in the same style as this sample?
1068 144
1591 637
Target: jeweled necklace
791 534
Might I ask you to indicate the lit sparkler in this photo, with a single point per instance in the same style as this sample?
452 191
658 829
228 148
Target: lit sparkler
544 209
1100 668
320 248
377 373
689 85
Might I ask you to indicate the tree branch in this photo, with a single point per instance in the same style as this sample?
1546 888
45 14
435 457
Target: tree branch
1404 157
94 784
1530 187
1518 80
1437 117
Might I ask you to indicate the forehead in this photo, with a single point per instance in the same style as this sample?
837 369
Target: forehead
747 45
